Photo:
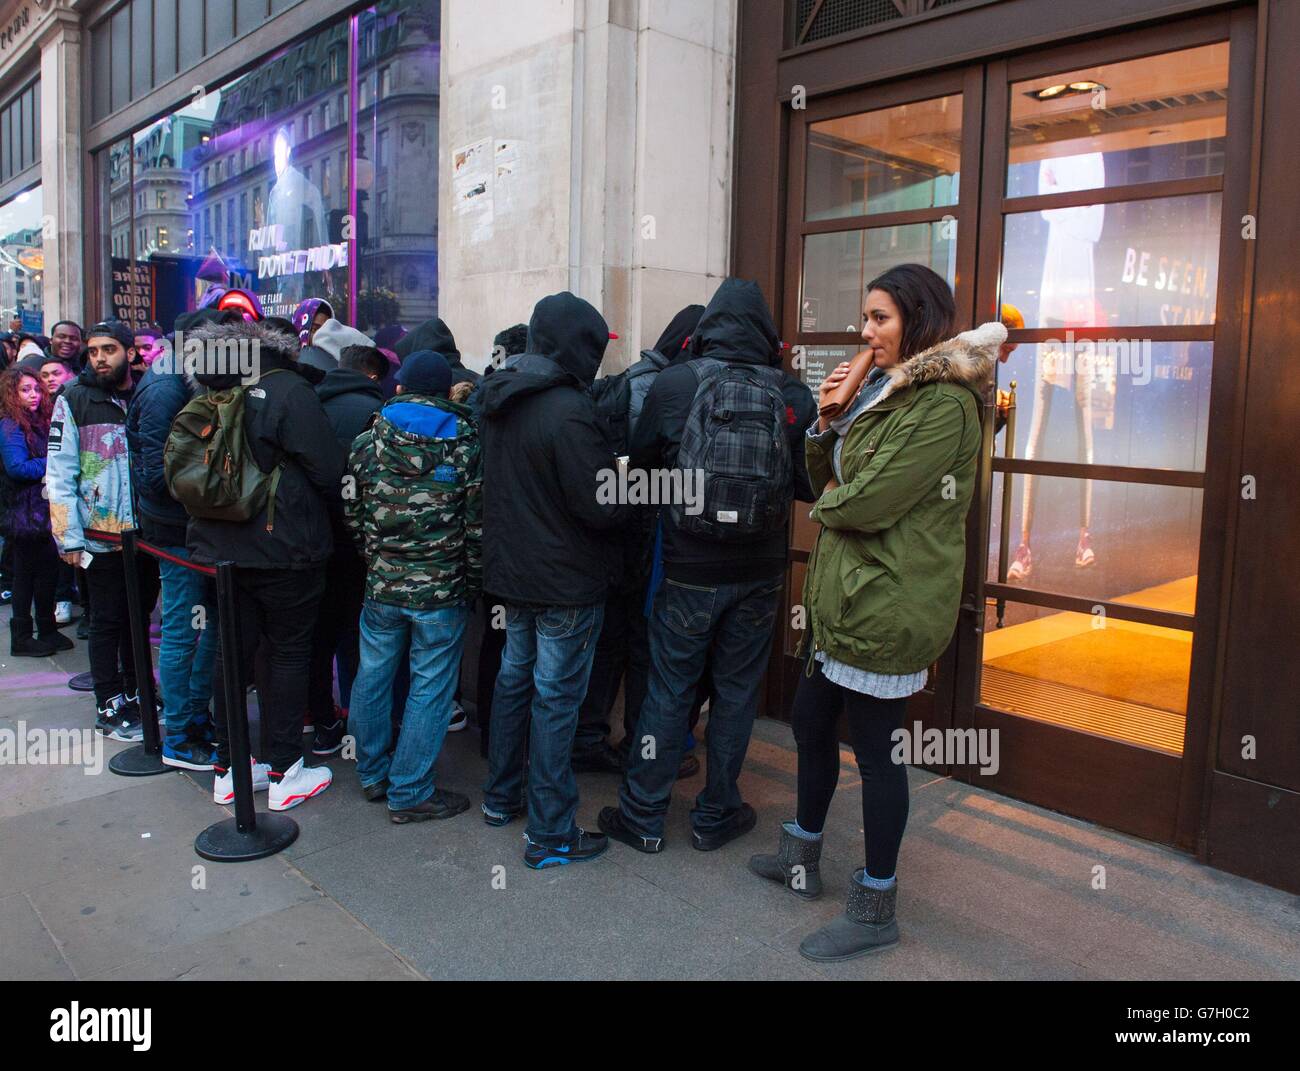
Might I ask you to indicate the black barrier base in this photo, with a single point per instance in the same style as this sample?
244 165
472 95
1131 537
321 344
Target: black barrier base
223 843
137 762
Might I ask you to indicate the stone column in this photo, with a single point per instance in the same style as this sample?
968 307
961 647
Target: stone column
62 168
593 140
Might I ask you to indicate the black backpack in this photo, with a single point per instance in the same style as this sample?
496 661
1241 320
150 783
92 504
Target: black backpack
613 398
735 435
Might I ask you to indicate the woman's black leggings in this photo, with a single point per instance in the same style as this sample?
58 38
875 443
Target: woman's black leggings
36 572
817 706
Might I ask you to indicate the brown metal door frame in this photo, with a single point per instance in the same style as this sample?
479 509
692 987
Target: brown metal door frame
931 708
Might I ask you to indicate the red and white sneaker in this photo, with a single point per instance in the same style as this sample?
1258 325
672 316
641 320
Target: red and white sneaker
1083 555
1021 566
223 785
297 784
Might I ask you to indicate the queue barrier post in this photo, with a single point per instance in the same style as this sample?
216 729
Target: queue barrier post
248 835
145 759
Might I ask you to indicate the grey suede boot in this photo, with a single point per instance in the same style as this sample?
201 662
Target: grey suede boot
796 865
867 925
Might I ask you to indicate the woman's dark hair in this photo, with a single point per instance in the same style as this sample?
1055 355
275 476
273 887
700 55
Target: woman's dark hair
925 301
35 426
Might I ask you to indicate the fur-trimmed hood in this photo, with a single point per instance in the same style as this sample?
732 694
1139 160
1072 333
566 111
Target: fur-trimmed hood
267 347
966 360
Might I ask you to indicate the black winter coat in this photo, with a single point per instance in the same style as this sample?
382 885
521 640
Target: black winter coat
547 536
350 399
284 421
436 335
157 398
736 327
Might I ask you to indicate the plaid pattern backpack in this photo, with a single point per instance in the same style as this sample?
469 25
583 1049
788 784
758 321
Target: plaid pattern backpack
735 435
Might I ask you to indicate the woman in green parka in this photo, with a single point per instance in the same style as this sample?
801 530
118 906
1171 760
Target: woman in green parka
896 472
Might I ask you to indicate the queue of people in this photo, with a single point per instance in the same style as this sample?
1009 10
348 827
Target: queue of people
382 491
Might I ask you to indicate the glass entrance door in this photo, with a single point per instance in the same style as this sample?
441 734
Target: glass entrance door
1101 226
1078 194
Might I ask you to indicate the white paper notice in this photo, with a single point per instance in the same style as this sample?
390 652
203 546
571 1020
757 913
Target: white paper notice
471 184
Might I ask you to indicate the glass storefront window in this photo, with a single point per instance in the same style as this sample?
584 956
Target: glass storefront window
1153 119
838 265
1122 401
1127 264
220 193
22 263
889 160
252 184
397 192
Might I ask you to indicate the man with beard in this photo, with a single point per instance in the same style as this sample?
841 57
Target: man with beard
89 484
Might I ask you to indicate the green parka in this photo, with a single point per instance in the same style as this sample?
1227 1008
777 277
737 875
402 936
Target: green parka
884 580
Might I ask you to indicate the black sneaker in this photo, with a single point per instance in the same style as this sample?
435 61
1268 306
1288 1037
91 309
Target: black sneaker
442 804
376 792
329 738
586 846
601 759
106 716
612 823
737 825
83 628
82 682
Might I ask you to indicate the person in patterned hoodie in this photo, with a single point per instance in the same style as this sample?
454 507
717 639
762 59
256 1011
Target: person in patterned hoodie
88 482
416 507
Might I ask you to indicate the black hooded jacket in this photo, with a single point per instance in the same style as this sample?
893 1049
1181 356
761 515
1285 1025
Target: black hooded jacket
436 335
547 538
736 327
284 421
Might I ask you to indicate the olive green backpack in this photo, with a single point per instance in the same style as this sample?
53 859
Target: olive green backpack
208 465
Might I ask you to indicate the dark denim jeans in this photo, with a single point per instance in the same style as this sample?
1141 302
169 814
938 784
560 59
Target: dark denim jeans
544 672
729 628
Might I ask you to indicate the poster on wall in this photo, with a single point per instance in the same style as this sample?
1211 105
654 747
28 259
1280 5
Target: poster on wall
471 186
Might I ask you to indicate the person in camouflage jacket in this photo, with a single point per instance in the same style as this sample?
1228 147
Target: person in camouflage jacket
415 505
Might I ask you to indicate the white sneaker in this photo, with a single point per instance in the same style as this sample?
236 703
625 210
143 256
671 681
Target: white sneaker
63 613
298 783
459 719
223 786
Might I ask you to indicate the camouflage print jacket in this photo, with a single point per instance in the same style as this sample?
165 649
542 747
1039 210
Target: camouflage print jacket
417 504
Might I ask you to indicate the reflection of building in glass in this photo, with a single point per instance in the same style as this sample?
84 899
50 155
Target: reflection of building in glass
162 187
397 122
22 261
298 101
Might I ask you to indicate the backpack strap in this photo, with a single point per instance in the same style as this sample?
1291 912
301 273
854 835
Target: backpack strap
270 503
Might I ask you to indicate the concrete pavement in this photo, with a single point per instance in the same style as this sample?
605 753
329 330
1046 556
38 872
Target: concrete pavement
98 879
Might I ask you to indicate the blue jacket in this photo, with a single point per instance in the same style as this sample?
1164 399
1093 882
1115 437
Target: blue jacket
28 513
157 398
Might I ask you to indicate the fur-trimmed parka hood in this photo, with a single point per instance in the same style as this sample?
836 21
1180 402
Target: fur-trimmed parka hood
966 360
233 353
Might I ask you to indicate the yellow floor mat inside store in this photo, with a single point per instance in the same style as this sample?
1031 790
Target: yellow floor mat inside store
1127 681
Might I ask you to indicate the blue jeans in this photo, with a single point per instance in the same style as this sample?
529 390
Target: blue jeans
544 673
187 655
728 627
435 637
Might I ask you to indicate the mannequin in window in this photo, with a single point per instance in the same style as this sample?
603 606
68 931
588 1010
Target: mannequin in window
1067 298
